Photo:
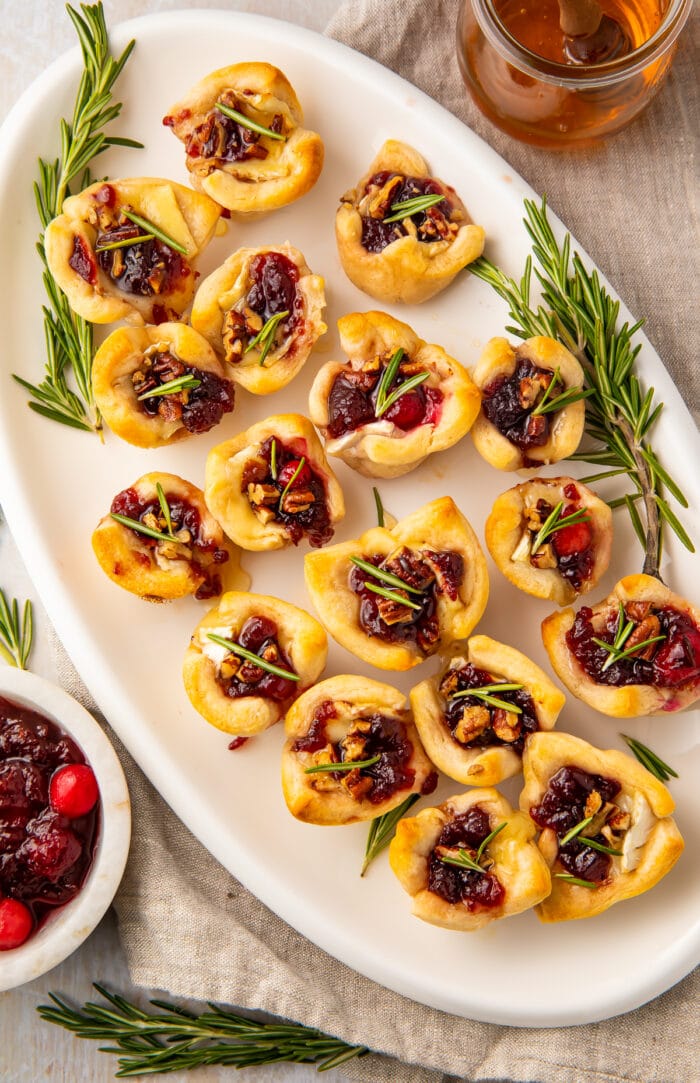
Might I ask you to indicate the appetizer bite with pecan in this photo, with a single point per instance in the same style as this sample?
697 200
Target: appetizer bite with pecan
262 313
160 542
635 653
124 249
352 752
402 234
396 401
271 486
157 385
551 537
607 832
532 410
469 861
249 659
244 141
394 597
475 715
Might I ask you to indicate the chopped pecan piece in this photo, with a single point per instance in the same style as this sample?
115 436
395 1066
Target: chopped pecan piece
637 611
646 629
506 725
429 635
297 500
357 784
353 746
536 427
170 407
262 495
324 780
233 333
411 368
380 202
593 803
544 557
449 683
474 722
533 518
408 566
229 667
250 673
617 822
393 612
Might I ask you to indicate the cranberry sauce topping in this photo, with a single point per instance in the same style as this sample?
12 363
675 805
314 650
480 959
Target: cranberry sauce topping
148 269
383 191
240 677
478 891
476 724
83 261
353 398
199 408
571 796
220 139
569 550
509 401
44 856
432 574
673 662
369 736
299 503
187 524
272 291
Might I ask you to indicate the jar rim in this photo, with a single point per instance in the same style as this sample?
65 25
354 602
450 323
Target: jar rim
593 75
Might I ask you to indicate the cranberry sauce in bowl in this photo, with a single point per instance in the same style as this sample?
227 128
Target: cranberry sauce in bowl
384 192
282 488
509 403
476 890
240 677
197 408
352 401
474 723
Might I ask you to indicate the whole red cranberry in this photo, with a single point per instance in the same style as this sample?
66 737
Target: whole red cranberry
408 410
73 790
16 923
288 471
50 848
572 539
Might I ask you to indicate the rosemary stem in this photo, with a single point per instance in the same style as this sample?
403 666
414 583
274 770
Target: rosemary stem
652 549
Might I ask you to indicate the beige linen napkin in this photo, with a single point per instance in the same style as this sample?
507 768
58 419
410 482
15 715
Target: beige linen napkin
189 927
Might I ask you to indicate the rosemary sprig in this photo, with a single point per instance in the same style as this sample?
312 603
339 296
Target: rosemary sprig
379 506
273 459
465 861
575 880
141 528
620 415
348 765
387 379
265 337
416 205
653 763
164 507
385 577
173 1039
484 692
383 828
575 830
126 242
556 521
246 122
407 385
16 633
65 393
549 404
391 595
249 656
295 475
172 387
623 631
599 846
149 227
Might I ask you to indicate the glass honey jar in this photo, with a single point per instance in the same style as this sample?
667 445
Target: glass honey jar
551 90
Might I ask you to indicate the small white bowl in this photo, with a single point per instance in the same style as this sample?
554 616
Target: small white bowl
65 930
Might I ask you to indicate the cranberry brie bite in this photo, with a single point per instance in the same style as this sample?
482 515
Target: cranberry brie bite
469 861
394 597
352 752
403 235
635 653
607 832
271 486
262 313
160 542
476 714
157 385
124 249
396 401
249 659
551 537
532 410
244 141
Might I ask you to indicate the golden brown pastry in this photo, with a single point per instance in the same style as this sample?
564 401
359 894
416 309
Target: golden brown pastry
587 803
551 537
227 686
469 861
635 653
365 418
395 256
271 486
478 738
516 427
115 267
429 588
158 385
160 542
351 720
262 312
247 170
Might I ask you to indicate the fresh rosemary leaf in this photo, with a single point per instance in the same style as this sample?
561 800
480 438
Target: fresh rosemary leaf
164 507
379 506
127 242
387 379
172 387
576 830
556 521
575 880
350 765
391 595
653 763
16 632
242 652
149 227
489 839
599 846
485 693
462 860
266 336
407 385
291 481
273 459
384 577
416 205
141 528
383 828
246 122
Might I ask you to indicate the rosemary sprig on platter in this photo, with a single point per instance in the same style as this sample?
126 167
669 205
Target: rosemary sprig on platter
620 414
246 122
16 631
409 207
65 393
653 763
173 1039
556 521
249 656
344 765
485 693
616 650
383 828
266 336
463 859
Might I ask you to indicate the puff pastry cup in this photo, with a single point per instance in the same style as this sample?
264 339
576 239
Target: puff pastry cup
271 485
511 432
405 259
131 373
258 288
566 781
437 587
229 689
476 739
193 557
145 282
513 876
247 171
654 677
352 403
346 720
565 563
